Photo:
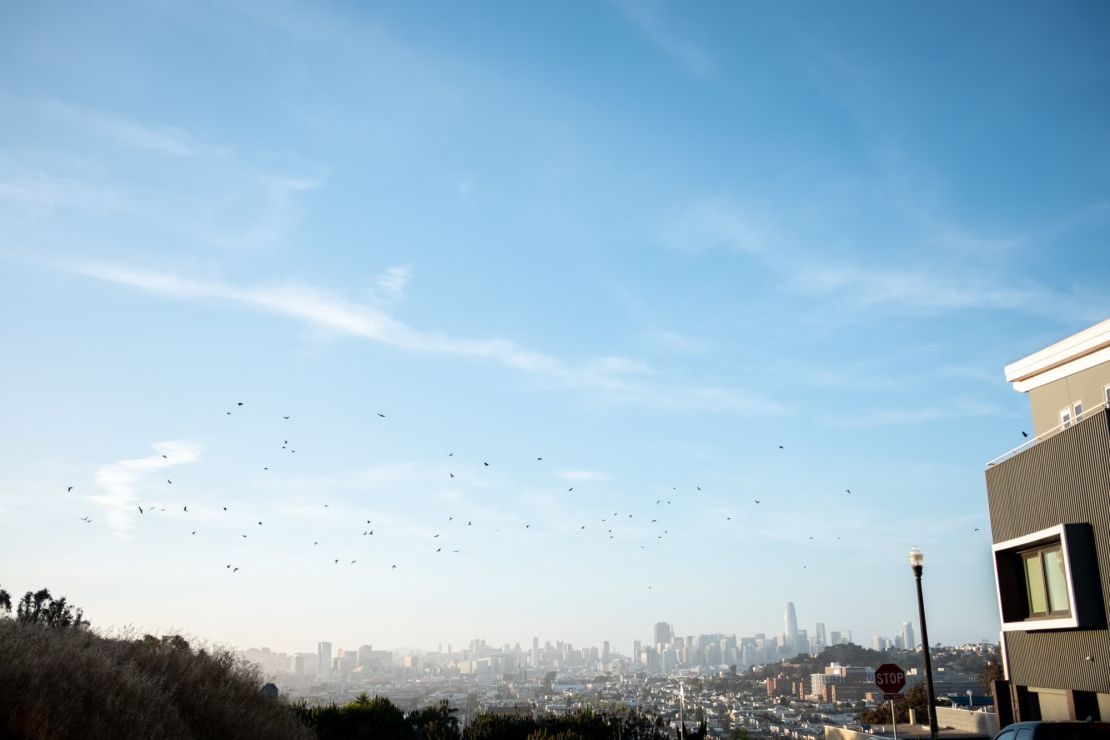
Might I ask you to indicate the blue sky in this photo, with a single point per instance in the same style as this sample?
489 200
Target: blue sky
647 242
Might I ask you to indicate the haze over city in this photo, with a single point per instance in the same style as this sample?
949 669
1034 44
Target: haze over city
595 316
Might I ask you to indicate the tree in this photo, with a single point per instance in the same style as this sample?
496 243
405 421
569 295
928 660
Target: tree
41 608
5 601
435 723
917 699
991 672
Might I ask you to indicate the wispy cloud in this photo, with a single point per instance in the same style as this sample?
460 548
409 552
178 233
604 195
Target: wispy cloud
621 379
583 475
937 283
165 140
119 481
391 283
647 17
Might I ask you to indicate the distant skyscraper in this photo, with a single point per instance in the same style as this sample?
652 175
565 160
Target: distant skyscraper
605 652
323 659
790 633
535 652
819 635
907 636
663 633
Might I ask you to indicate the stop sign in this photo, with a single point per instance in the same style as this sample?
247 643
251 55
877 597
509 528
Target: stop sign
890 678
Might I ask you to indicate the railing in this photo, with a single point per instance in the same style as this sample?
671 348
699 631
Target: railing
1045 435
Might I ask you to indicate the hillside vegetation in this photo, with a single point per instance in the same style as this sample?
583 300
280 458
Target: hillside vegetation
59 679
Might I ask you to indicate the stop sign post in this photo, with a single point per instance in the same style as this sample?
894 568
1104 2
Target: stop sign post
891 679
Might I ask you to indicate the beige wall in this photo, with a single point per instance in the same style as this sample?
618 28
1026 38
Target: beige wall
984 723
1087 386
1054 704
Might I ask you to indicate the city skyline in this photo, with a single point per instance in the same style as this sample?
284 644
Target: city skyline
341 320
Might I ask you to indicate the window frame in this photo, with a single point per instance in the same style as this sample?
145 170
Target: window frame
1009 569
1039 552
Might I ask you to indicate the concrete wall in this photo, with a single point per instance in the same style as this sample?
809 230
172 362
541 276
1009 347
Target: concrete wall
985 723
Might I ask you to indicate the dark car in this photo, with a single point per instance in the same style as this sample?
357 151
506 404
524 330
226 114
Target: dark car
1055 731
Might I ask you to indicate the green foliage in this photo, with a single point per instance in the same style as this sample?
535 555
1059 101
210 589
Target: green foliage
377 717
57 683
582 725
917 698
40 608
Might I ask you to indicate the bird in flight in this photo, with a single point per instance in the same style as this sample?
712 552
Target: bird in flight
235 569
194 531
286 418
185 508
353 562
486 464
169 481
976 529
394 566
848 491
68 490
571 488
337 561
164 457
756 500
781 447
239 404
225 508
86 520
381 414
450 454
451 474
1024 433
140 510
438 549
244 537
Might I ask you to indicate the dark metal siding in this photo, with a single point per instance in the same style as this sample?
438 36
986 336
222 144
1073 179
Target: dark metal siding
1063 479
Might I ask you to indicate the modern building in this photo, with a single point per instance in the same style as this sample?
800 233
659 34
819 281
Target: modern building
323 659
663 634
907 636
1049 503
790 630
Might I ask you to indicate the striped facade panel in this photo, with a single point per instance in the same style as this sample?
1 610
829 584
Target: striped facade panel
1061 480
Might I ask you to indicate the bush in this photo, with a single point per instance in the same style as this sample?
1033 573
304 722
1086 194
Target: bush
62 683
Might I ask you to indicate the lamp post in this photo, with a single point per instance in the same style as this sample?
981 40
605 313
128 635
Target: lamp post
917 563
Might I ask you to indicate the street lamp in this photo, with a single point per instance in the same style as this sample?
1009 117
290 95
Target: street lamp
917 563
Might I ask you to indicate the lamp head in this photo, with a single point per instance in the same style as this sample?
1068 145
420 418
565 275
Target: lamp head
917 558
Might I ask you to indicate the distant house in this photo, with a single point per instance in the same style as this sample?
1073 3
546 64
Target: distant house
1049 503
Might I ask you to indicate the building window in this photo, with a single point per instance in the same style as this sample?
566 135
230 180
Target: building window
1071 415
1106 392
1046 581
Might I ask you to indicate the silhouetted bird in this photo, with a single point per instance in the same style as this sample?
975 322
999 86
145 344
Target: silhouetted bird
394 567
86 519
140 510
353 562
225 508
260 524
848 491
239 404
194 531
451 474
169 481
756 500
164 457
781 447
1024 433
184 508
337 561
486 464
381 414
571 488
438 549
539 458
976 529
235 570
69 489
265 468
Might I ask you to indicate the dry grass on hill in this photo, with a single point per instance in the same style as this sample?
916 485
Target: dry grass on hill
73 683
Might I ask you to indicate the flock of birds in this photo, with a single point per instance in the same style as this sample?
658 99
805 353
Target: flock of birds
437 542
